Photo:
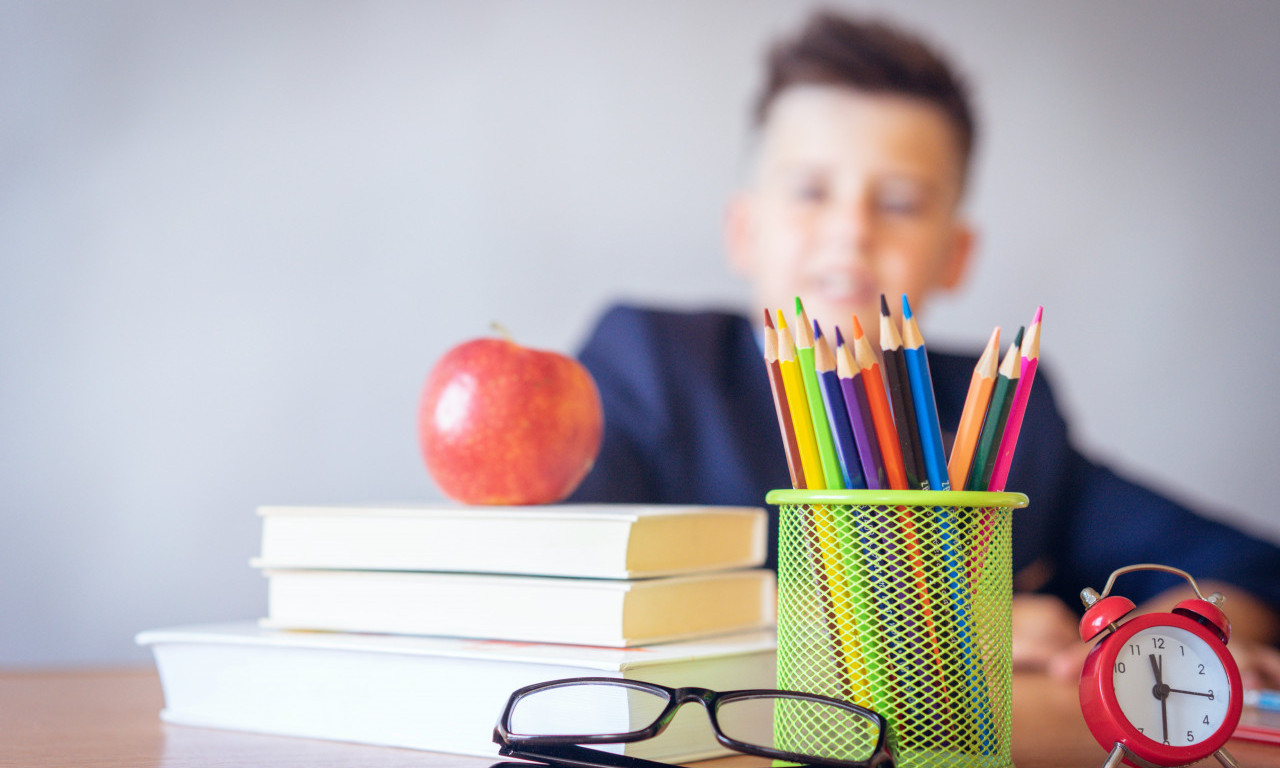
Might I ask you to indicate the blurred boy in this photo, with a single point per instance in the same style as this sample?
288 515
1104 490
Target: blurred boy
863 146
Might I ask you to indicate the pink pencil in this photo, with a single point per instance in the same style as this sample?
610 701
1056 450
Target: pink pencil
1018 409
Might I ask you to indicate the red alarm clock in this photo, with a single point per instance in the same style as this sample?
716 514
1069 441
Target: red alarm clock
1160 689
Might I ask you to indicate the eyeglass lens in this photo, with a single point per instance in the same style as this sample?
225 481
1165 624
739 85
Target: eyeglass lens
802 726
586 710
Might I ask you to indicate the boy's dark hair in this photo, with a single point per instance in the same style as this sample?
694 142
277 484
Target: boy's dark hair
869 56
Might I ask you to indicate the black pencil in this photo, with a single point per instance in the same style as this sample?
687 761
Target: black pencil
904 412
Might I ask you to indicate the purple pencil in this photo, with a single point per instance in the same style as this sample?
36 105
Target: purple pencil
859 407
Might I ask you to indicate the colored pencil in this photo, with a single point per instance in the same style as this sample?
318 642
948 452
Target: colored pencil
817 411
827 573
909 622
859 416
975 409
904 412
984 456
914 351
881 413
833 398
829 581
798 404
826 529
785 424
948 533
1018 408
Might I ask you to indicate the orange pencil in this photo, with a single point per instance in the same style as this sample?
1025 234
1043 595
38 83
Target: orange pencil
785 425
881 414
975 409
798 404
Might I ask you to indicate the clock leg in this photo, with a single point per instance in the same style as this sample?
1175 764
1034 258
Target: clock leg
1117 755
1226 759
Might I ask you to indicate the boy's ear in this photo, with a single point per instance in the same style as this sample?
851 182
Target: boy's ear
738 236
960 258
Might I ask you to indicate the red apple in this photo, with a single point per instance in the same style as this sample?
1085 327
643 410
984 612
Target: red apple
505 424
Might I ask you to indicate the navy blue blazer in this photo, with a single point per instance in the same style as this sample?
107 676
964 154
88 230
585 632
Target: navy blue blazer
689 419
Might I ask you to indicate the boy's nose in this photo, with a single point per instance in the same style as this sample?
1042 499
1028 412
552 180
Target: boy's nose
851 221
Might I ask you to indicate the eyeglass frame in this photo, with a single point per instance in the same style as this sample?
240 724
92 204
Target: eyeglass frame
566 749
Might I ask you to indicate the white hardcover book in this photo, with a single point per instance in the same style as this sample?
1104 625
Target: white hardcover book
437 694
614 541
614 612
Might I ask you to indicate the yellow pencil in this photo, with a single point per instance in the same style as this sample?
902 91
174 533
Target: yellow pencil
797 403
821 525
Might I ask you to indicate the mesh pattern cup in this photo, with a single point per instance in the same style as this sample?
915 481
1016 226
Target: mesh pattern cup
900 601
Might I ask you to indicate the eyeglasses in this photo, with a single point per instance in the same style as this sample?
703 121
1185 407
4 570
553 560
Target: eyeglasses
550 722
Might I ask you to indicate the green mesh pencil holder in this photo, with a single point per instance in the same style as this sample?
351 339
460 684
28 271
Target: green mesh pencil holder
900 601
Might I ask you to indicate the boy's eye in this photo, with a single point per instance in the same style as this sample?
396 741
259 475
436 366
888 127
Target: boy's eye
902 198
808 188
810 191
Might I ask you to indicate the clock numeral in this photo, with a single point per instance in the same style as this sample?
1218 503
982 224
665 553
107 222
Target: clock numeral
1205 720
1120 667
1182 650
1157 642
1210 694
1142 731
1166 742
1190 736
1135 650
1201 668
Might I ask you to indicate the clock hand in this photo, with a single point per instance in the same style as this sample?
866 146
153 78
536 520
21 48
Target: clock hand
1193 693
1164 717
1161 692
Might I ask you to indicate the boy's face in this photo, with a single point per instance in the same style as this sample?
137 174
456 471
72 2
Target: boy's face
854 195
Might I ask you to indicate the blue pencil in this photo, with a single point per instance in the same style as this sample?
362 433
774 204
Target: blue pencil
846 448
935 462
1262 699
935 458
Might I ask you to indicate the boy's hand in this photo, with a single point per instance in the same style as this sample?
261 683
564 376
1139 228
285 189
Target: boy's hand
1043 629
1259 664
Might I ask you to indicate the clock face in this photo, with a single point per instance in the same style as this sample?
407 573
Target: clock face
1171 686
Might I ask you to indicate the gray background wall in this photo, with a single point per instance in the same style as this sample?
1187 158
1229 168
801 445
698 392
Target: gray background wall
234 237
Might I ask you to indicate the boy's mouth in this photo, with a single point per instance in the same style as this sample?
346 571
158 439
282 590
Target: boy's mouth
843 290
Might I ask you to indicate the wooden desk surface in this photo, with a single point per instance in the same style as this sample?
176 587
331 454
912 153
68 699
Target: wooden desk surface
108 718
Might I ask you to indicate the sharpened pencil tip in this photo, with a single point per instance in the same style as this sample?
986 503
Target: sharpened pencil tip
1039 312
817 330
884 306
857 328
839 337
782 321
906 308
768 320
1017 340
799 306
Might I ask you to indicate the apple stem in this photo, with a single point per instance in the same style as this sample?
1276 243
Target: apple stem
501 329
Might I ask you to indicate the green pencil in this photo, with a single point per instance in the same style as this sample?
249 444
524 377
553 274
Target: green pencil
813 393
984 456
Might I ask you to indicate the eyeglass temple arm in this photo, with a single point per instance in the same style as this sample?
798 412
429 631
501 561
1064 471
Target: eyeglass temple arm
578 756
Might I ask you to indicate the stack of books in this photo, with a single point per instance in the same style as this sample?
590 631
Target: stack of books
411 625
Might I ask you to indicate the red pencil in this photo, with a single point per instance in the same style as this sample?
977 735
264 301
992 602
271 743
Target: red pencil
881 414
785 425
